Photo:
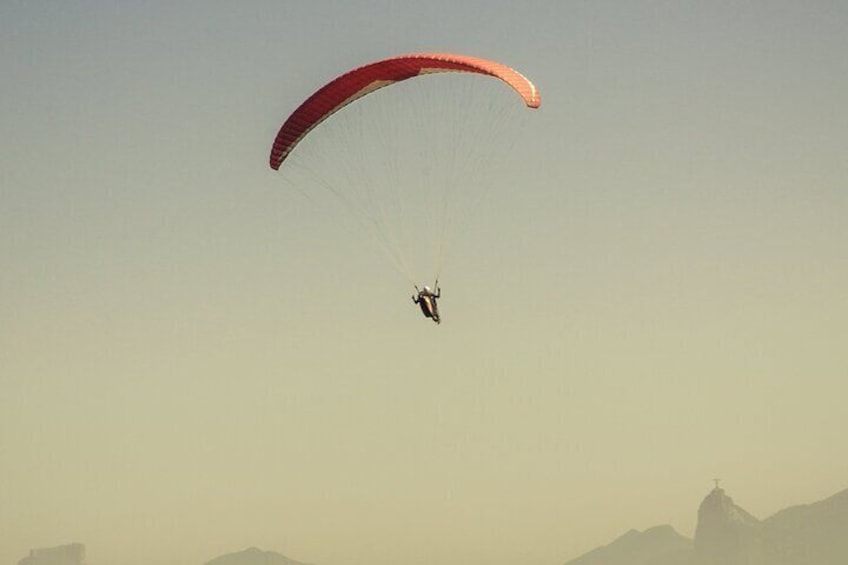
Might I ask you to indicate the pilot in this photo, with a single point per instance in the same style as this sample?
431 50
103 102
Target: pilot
426 299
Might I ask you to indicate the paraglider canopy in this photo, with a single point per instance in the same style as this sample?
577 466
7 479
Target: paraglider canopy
361 81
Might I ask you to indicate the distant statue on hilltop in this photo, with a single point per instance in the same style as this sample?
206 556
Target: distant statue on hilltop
726 534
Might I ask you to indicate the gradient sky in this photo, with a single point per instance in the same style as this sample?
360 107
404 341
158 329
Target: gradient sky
193 360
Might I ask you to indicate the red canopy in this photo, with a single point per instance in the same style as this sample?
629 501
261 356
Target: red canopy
355 84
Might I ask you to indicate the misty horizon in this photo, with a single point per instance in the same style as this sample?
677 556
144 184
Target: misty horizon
798 536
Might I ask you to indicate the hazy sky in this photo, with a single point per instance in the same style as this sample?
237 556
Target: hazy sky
194 360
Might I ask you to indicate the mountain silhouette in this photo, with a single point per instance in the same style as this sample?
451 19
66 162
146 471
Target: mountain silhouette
814 534
254 556
660 545
726 534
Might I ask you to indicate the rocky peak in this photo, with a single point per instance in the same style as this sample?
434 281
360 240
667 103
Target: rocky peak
726 534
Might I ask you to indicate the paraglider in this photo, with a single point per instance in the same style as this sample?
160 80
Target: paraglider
435 158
